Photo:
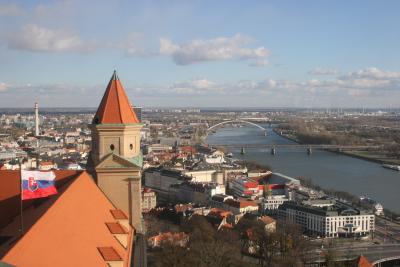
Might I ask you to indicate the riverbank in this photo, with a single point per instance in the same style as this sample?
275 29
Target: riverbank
367 156
364 155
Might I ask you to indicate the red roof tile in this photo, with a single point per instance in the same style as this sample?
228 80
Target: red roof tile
115 107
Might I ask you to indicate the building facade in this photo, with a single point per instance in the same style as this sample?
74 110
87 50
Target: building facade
149 199
335 220
270 204
244 187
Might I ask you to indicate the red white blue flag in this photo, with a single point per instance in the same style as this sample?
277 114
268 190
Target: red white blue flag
36 184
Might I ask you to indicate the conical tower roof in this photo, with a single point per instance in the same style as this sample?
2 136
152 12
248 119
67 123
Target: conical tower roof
115 107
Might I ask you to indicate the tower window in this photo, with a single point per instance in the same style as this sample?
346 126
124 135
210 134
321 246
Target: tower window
131 146
112 147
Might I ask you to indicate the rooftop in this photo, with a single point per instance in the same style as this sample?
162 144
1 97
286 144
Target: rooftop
69 220
115 107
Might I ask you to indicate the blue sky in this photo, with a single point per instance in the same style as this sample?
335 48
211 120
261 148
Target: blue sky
201 53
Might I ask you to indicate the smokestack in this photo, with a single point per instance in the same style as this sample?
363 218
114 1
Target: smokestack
36 119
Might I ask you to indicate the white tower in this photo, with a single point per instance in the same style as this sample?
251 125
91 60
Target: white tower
36 119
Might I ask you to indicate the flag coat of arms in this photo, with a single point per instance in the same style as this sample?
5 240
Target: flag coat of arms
36 184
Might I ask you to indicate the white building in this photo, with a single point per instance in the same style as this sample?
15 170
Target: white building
213 174
378 209
158 148
149 200
240 206
270 204
336 220
191 192
214 159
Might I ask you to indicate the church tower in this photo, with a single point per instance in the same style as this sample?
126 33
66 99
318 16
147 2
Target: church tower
116 157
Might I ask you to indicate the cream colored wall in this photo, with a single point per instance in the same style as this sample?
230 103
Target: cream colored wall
121 136
113 182
115 187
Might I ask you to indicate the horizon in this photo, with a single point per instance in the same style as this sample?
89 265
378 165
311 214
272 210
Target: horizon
262 54
238 108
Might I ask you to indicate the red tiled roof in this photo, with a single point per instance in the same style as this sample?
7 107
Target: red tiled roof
241 203
363 262
116 228
219 213
69 229
109 254
118 215
267 219
115 107
10 192
46 163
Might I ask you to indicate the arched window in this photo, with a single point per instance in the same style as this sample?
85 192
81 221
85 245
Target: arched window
131 146
112 147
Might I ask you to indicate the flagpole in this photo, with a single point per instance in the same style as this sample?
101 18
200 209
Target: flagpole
21 203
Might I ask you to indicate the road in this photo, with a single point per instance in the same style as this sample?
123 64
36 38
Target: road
387 231
372 251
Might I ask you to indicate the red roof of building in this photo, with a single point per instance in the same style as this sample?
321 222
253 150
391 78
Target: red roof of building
46 163
115 107
249 184
267 220
241 203
216 212
169 236
67 229
363 262
10 192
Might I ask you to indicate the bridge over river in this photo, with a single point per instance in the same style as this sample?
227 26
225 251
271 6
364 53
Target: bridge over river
307 147
314 146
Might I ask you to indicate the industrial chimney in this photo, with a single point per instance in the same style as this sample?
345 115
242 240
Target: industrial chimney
36 119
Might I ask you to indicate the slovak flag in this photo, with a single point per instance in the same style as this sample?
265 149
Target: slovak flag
36 184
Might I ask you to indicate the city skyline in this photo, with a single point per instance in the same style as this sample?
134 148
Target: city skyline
202 54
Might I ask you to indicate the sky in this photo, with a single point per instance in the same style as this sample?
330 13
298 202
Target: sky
201 53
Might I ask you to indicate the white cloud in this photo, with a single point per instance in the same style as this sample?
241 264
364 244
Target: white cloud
372 73
343 90
221 48
39 39
167 47
3 87
10 10
321 71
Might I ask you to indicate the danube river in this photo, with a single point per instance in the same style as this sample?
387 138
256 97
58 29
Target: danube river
328 170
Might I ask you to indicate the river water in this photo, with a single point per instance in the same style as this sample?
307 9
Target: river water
328 170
